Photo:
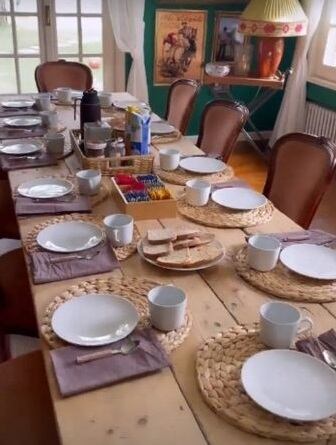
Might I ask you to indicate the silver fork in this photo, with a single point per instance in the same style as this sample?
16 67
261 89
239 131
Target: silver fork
63 259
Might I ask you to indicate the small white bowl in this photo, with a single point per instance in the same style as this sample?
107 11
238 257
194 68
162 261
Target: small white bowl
217 69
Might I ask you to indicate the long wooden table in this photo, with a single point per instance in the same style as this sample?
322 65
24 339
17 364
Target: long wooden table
165 408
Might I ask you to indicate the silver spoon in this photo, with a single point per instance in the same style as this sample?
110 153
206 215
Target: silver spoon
328 356
126 348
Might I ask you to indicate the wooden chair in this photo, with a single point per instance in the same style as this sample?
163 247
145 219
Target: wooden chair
26 410
301 167
221 123
51 75
181 98
8 227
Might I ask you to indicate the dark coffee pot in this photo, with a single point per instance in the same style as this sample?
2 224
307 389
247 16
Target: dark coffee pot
89 108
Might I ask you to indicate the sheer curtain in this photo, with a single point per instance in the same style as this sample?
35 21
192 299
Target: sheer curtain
292 111
128 29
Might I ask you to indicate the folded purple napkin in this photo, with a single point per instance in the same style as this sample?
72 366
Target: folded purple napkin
313 236
22 133
229 184
311 346
74 378
51 266
9 112
27 206
8 163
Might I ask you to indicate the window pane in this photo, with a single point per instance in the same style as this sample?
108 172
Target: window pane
27 67
6 39
7 76
96 65
92 35
67 35
5 5
71 59
330 49
25 6
63 6
89 6
27 35
333 14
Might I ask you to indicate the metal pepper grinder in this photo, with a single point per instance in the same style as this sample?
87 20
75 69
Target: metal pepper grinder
89 108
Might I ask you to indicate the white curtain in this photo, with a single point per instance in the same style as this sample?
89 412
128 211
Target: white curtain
291 115
128 29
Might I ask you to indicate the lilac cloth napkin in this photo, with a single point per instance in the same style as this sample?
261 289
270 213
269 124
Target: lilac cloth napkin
8 163
314 236
9 112
22 133
229 184
75 378
311 346
51 266
27 206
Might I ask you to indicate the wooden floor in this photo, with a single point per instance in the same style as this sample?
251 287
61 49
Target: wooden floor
250 166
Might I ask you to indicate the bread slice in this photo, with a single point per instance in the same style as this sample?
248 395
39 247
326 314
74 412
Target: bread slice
187 258
155 250
187 232
160 236
200 240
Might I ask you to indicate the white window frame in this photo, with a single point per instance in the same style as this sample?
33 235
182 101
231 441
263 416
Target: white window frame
319 73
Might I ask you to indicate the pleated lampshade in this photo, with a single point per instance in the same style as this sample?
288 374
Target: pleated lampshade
273 18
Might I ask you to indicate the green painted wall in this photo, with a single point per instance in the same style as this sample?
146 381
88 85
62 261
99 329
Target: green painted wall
321 95
263 119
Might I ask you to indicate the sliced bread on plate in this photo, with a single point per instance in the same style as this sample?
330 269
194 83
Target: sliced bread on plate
160 236
200 240
196 256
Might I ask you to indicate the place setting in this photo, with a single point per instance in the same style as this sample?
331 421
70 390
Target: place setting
17 107
299 266
276 378
117 328
176 169
163 133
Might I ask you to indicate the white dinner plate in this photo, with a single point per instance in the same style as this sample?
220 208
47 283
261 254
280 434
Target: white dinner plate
239 198
202 165
310 260
20 149
17 103
180 269
123 104
290 384
94 319
45 188
161 128
23 121
70 236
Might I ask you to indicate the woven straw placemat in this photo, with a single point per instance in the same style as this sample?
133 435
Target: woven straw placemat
283 283
133 289
218 367
214 215
166 138
180 176
122 253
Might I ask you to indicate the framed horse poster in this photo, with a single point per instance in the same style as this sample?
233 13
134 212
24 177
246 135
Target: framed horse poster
226 37
179 45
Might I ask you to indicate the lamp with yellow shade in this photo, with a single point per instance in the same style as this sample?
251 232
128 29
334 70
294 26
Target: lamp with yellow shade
272 20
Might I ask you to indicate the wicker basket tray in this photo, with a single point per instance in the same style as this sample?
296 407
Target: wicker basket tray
112 166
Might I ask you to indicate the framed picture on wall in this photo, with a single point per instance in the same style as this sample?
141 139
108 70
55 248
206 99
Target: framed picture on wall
179 45
225 37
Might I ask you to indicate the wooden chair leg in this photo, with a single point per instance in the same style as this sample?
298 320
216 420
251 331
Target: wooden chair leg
25 405
9 227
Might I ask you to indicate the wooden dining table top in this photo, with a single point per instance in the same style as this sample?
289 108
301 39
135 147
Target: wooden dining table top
166 407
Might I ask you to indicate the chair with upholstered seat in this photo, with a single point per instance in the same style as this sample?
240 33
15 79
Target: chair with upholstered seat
221 123
301 167
51 75
181 98
25 404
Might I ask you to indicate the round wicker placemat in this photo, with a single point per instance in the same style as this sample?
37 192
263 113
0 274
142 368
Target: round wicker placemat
214 215
122 253
166 138
218 367
133 289
283 283
180 176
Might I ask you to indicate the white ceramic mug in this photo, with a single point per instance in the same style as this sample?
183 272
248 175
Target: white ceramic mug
119 229
169 159
105 99
263 252
55 143
89 181
49 119
64 95
197 192
167 307
43 101
280 323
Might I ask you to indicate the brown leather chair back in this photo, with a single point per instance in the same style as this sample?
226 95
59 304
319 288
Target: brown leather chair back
51 75
181 98
221 123
301 167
